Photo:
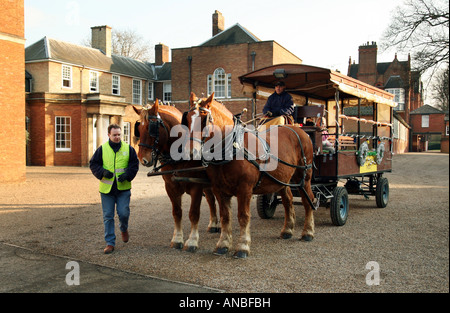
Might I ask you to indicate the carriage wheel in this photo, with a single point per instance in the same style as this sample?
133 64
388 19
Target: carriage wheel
339 206
266 205
382 192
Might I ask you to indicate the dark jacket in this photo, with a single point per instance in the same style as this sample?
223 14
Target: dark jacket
279 104
96 165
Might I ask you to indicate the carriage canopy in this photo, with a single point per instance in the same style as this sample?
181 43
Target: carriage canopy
313 82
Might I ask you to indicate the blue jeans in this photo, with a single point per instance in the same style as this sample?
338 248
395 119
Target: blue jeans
109 202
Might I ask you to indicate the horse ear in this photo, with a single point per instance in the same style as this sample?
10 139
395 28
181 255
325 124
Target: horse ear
155 107
138 111
210 99
192 99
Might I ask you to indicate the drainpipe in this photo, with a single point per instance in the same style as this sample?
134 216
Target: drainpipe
81 81
189 58
253 54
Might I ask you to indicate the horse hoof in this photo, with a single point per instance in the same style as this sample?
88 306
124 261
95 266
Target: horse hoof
306 238
285 236
177 245
214 230
191 249
221 251
240 254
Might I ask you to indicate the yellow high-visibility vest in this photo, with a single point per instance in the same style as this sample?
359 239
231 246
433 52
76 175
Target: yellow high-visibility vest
117 163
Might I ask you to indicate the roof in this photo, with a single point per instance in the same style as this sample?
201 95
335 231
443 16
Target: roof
381 68
52 49
427 109
316 82
394 82
236 34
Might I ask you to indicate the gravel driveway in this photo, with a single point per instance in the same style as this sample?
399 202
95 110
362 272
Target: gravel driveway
57 211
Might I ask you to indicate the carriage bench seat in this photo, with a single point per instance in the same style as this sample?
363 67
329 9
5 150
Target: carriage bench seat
345 142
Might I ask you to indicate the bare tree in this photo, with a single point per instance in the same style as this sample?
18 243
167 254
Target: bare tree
440 90
420 27
128 43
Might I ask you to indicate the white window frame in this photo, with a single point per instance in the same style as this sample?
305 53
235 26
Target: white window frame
115 86
93 78
167 91
425 121
219 83
151 91
446 130
62 131
399 94
66 76
136 91
126 132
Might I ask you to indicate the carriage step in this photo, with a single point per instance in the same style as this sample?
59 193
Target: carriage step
322 191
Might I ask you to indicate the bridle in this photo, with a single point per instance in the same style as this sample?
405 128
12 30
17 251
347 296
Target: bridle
154 123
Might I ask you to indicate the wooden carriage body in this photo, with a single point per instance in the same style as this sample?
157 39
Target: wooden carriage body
351 129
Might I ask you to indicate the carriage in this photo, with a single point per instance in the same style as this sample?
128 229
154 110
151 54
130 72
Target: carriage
310 162
350 124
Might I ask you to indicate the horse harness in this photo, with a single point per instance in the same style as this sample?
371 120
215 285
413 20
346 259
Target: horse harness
236 138
154 123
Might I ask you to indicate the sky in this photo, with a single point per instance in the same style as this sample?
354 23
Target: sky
322 33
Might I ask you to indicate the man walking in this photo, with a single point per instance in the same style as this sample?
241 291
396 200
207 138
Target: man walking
115 164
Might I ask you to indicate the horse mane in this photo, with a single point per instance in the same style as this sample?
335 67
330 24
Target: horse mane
168 110
171 111
221 113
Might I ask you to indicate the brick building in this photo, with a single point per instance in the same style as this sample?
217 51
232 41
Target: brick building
12 97
429 128
216 64
397 78
75 92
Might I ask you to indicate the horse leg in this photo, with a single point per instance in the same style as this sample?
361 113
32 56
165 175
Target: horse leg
243 247
225 240
177 213
289 213
213 226
194 216
308 228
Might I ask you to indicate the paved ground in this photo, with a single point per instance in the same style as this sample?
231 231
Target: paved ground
25 270
57 212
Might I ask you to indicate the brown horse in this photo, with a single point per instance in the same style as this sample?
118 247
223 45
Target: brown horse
155 125
242 178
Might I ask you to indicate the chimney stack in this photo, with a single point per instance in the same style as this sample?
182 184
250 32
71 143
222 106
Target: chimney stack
101 38
218 22
367 70
161 54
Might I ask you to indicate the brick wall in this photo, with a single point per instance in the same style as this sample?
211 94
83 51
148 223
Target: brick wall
235 59
12 92
436 123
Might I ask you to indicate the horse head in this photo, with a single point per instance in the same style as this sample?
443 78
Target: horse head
154 131
201 122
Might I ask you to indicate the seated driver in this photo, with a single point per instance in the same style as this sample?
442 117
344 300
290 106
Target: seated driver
279 104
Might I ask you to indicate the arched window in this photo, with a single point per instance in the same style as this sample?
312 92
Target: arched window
220 84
